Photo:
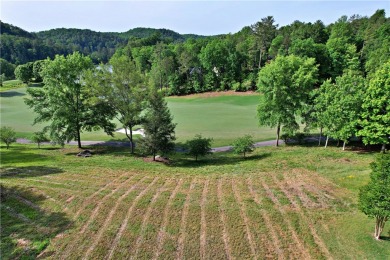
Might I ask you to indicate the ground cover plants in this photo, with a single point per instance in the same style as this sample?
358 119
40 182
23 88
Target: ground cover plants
112 205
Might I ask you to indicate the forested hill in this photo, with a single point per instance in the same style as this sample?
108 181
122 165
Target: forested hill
19 46
141 32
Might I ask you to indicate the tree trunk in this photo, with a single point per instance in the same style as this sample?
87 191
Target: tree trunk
78 138
319 139
326 142
130 137
379 225
344 145
277 135
338 142
196 158
260 59
383 149
154 155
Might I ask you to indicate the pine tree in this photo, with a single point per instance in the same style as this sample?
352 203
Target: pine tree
158 126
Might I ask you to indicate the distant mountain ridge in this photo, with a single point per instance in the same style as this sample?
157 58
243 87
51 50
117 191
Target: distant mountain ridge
19 46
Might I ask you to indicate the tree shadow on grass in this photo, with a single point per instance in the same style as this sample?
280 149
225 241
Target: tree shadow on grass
26 228
28 171
11 94
215 160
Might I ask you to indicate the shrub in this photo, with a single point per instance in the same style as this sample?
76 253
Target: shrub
199 146
243 145
7 135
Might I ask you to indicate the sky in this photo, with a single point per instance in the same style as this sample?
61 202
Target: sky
183 16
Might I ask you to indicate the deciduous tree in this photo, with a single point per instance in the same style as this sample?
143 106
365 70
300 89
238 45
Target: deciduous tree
285 84
199 146
120 85
63 100
375 119
243 145
374 198
7 135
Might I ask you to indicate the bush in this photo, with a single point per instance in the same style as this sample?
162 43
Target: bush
7 135
199 146
243 145
39 137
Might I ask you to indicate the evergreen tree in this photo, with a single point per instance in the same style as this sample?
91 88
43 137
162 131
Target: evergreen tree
158 126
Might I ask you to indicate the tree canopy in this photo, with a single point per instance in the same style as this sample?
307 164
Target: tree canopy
63 101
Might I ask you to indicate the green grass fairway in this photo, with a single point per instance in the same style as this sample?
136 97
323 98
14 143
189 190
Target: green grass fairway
222 118
286 202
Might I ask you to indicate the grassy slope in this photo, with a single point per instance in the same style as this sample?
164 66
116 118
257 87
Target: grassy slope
223 118
294 202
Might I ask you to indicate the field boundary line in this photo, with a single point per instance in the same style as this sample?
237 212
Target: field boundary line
108 220
161 233
267 221
183 222
313 232
146 218
126 220
222 216
294 234
203 230
244 218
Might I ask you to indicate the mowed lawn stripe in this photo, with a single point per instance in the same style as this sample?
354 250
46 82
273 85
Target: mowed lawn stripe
245 218
121 246
274 248
203 227
172 227
222 215
148 245
300 245
215 246
71 248
239 244
147 216
183 222
192 241
162 231
320 243
107 221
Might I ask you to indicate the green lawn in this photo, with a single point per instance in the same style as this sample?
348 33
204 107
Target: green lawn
222 118
11 84
289 202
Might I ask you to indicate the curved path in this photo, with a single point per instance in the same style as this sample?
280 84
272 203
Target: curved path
126 144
